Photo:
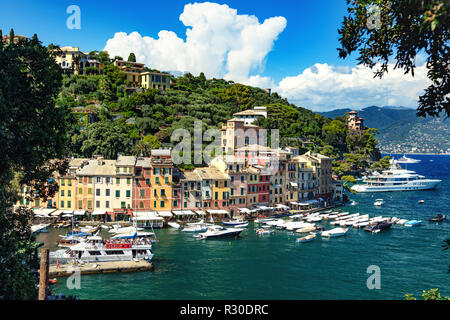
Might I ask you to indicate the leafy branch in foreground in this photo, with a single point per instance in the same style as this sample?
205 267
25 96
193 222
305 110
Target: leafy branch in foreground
403 29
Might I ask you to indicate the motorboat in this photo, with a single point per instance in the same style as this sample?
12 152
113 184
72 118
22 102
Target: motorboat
103 252
360 225
405 159
421 201
378 226
290 226
117 230
314 219
396 179
438 218
336 232
402 221
174 225
307 238
234 222
378 202
217 232
195 228
135 235
306 229
243 225
38 228
264 231
412 223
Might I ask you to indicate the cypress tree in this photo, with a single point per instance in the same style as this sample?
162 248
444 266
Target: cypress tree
11 36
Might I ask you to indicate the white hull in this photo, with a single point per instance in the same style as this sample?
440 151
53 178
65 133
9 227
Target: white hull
406 187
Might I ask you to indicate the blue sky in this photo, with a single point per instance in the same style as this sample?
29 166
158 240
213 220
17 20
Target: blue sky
307 42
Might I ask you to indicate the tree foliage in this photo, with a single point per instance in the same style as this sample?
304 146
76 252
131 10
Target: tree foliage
32 131
382 29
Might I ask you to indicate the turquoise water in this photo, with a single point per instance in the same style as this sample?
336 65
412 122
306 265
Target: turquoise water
276 267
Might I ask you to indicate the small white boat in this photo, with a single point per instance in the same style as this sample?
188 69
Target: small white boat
216 232
264 231
195 228
234 222
378 202
336 232
360 225
401 221
405 159
307 238
421 201
174 225
314 219
306 229
105 227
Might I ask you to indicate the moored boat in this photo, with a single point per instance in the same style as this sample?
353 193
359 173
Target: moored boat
336 232
413 223
217 232
379 226
307 238
438 218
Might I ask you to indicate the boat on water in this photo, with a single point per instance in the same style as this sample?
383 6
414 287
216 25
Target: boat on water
174 225
86 251
378 202
377 227
421 201
360 225
264 231
217 232
413 223
405 159
234 222
135 235
307 238
396 179
438 218
38 228
195 228
402 221
336 232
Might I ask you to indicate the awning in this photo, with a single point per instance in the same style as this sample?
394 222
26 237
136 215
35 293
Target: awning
68 211
165 214
294 184
67 215
200 212
217 211
244 210
178 213
188 212
57 213
279 205
43 212
294 203
146 216
80 212
97 212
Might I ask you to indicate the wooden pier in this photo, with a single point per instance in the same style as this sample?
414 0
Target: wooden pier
67 270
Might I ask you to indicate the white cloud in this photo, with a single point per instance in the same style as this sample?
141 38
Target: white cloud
324 87
219 42
224 44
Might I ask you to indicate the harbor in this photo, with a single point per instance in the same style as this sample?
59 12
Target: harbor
410 258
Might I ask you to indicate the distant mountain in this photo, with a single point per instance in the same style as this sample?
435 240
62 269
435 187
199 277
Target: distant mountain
402 131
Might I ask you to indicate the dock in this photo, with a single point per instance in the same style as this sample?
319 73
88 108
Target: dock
67 270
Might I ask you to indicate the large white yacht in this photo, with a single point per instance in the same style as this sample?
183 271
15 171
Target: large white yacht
405 159
396 179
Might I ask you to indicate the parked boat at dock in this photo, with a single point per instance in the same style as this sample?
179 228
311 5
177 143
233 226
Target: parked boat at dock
307 238
216 232
377 227
413 223
336 232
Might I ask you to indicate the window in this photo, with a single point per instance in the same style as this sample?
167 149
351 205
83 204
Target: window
107 204
217 184
97 204
128 181
128 193
163 193
97 192
123 205
154 204
166 180
63 182
117 193
80 204
185 205
147 181
175 203
62 193
117 180
242 191
157 180
216 196
89 190
155 192
89 204
142 193
69 204
141 205
98 180
62 204
108 192
69 193
163 204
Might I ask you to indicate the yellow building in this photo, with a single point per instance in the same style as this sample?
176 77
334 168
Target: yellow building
218 183
161 180
71 55
155 80
132 70
66 197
